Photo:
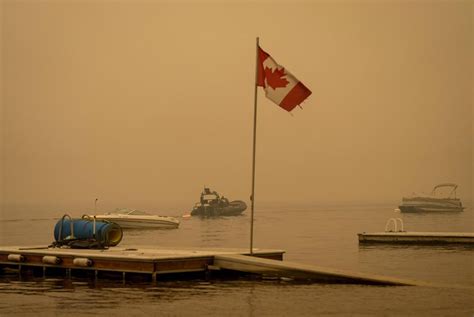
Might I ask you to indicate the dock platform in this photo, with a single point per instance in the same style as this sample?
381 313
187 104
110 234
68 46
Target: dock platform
155 262
403 237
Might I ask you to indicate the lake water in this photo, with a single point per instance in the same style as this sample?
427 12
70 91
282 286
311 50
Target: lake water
322 235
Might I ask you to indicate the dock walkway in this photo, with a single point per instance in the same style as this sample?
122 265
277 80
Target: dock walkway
303 271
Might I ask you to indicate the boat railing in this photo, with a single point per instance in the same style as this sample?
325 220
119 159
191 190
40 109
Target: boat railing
395 222
451 194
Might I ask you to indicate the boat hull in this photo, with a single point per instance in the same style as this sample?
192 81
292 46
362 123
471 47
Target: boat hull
141 223
428 204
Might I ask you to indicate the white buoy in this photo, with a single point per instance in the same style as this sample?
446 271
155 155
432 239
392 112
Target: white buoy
82 262
16 258
49 259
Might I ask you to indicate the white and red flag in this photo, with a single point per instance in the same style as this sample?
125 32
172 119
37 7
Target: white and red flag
279 84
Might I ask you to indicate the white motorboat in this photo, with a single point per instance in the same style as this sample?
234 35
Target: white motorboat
433 202
137 219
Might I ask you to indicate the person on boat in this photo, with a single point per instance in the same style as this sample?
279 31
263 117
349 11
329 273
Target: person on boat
214 202
203 193
225 201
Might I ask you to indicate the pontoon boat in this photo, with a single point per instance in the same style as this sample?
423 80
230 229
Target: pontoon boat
434 201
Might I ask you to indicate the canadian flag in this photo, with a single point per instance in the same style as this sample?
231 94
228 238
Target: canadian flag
279 84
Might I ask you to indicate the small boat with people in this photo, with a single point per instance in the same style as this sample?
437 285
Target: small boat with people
212 204
136 219
435 201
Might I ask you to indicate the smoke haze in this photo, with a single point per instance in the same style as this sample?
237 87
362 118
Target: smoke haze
144 103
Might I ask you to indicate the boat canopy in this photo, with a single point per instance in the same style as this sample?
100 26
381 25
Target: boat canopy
454 186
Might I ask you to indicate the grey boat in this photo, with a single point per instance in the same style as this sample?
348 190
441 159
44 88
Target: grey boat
212 204
433 202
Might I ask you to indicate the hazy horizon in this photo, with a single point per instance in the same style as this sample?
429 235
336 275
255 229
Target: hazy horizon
146 102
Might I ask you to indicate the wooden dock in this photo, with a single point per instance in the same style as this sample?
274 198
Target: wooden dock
162 261
402 237
126 260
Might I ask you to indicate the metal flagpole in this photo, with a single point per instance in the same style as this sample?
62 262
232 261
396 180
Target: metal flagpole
252 197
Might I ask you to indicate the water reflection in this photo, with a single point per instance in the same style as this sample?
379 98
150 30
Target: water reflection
322 235
236 297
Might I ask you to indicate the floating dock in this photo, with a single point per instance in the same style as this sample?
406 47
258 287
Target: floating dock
402 237
126 260
159 262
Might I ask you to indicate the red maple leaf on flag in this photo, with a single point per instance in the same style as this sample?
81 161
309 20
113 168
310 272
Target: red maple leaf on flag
276 78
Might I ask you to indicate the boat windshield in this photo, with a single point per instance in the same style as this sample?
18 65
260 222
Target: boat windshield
138 213
210 197
126 211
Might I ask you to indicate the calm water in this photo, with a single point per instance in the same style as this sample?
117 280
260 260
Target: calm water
319 235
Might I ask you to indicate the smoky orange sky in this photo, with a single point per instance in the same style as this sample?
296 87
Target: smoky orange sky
142 103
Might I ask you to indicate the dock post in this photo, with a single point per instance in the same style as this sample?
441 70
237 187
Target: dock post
44 271
153 277
96 275
123 277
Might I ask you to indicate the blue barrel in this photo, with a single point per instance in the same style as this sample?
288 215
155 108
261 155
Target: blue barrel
106 233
